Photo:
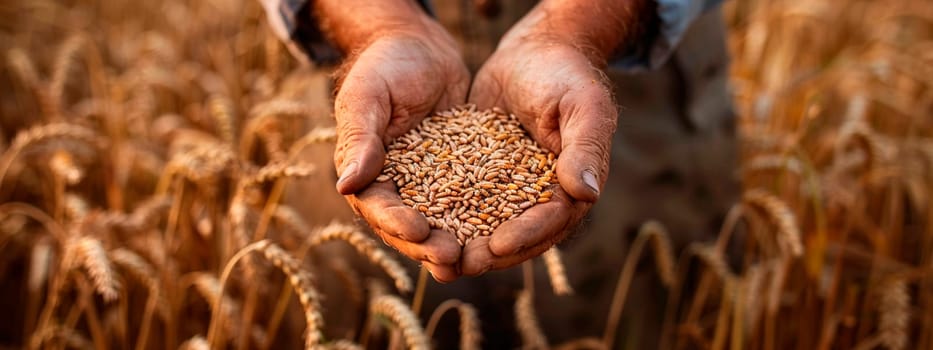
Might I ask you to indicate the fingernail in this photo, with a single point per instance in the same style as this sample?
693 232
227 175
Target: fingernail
590 180
347 172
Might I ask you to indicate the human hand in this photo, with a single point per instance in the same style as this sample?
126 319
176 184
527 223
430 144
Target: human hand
402 67
553 83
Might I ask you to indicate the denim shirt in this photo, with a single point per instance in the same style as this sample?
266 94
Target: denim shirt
292 23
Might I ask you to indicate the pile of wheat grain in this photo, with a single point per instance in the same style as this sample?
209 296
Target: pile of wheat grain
468 170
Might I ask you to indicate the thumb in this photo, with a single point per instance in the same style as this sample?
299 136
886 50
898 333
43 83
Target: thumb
588 120
362 114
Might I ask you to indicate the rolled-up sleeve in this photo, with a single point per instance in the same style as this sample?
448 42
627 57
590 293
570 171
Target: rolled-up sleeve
675 17
292 22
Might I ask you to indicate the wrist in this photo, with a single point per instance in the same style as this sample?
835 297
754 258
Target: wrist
354 24
598 29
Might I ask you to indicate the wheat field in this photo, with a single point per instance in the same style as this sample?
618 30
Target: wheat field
148 148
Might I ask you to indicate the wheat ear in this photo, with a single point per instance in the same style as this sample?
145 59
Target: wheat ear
195 343
396 310
315 136
221 110
894 310
366 247
556 272
41 133
781 216
299 278
89 253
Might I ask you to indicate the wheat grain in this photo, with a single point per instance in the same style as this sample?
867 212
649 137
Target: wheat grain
393 308
468 171
366 247
556 272
526 321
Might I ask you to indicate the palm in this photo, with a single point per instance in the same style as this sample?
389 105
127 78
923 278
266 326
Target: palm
560 99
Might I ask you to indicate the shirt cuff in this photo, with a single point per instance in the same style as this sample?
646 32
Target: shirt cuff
675 18
292 22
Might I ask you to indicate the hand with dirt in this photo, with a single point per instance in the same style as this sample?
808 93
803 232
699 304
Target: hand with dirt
547 71
401 66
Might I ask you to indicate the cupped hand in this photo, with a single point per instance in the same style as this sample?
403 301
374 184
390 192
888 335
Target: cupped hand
388 87
562 100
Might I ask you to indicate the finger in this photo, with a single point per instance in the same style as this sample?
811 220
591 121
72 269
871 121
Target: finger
362 111
588 120
442 273
485 92
381 206
478 259
541 222
455 92
441 248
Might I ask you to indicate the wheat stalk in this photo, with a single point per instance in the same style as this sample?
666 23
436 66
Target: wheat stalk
61 69
654 232
366 247
396 310
527 322
470 333
20 64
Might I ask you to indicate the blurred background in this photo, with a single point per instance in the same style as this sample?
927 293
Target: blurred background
146 143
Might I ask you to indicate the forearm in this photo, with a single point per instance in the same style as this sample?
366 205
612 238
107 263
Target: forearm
353 24
599 27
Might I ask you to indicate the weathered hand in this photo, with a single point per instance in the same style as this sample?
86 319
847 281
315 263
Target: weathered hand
396 79
561 99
